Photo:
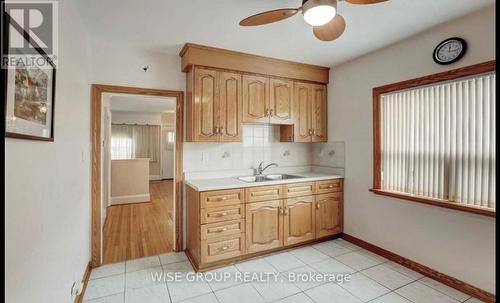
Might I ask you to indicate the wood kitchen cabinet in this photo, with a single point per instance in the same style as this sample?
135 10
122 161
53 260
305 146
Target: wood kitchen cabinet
328 214
255 99
310 113
264 228
214 109
280 101
299 218
228 225
267 100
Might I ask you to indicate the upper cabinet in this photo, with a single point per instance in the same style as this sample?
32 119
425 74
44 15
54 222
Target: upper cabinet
267 100
255 99
226 88
215 107
230 106
280 101
310 113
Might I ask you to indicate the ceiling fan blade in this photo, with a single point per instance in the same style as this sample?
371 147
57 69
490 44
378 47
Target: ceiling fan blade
364 1
269 17
330 31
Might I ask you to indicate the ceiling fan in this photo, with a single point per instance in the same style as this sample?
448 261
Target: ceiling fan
327 24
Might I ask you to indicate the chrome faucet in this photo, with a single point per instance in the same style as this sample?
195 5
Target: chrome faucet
260 170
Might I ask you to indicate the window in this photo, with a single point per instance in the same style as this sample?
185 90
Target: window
135 141
435 139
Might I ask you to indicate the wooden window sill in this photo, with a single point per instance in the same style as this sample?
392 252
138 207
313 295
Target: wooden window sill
436 202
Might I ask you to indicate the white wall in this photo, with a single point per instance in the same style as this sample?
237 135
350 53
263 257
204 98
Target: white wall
125 117
456 243
47 196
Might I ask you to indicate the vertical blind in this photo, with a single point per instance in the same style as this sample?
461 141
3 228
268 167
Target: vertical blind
135 141
438 141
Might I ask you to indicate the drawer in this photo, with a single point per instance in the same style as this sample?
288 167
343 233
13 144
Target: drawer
222 248
264 193
299 189
219 198
219 214
328 186
221 229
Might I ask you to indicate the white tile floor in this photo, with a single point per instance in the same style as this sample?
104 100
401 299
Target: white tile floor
373 279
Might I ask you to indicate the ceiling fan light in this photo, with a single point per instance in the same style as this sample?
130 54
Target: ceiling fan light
319 12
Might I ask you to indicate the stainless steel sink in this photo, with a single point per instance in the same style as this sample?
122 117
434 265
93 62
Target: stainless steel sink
267 178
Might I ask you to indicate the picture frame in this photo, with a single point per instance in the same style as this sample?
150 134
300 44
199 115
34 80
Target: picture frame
29 92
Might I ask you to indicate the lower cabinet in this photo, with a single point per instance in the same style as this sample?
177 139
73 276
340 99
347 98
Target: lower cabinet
328 214
299 218
264 228
225 225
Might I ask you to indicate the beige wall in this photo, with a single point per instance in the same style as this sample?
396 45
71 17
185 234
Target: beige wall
129 179
456 243
47 192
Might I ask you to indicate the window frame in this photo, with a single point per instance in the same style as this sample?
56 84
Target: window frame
467 71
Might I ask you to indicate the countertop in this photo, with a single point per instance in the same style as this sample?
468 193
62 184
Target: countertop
233 182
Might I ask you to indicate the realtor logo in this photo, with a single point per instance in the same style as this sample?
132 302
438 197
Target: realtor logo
29 32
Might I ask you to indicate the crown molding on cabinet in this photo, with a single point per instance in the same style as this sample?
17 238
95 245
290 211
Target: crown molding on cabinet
195 54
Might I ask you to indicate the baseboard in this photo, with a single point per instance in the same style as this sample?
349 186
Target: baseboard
424 270
86 276
130 199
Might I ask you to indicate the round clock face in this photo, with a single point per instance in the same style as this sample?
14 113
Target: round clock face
449 51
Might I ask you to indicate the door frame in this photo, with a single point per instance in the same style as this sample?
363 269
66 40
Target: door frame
96 103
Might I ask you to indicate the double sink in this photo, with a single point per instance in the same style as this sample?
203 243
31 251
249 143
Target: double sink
267 178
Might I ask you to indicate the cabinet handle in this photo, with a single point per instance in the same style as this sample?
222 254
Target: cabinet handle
220 214
221 130
271 112
280 210
285 211
267 112
310 132
317 206
222 199
216 130
223 248
218 230
330 186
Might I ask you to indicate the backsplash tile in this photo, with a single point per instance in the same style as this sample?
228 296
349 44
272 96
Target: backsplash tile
260 143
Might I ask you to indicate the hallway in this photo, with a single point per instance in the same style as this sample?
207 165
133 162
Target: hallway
141 229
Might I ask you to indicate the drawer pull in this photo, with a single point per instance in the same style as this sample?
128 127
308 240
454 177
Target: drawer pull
330 186
218 214
222 199
223 248
218 230
317 206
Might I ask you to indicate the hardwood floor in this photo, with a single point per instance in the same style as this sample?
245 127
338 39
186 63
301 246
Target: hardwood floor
143 229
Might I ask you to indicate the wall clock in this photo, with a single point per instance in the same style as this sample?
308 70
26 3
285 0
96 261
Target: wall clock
449 51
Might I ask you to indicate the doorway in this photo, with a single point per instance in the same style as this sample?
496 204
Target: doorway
136 172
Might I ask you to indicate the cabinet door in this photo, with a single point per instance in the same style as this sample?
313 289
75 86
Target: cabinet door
230 106
280 101
255 99
264 225
319 124
206 105
328 214
302 112
299 220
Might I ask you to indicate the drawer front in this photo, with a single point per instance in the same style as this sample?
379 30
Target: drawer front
264 193
222 248
221 229
329 186
220 198
219 214
299 189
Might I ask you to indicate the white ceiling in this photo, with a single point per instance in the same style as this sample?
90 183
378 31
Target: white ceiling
165 25
143 104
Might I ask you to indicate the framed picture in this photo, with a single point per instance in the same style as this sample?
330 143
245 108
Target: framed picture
29 91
